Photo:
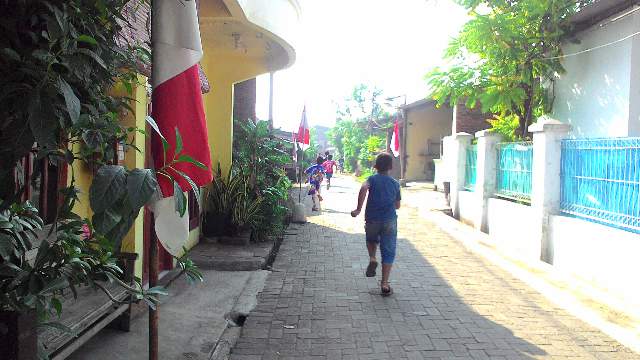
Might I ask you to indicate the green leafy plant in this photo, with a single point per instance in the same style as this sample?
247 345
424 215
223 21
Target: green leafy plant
361 128
261 156
230 209
504 58
60 61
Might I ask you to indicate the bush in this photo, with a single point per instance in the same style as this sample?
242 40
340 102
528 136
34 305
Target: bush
230 208
261 157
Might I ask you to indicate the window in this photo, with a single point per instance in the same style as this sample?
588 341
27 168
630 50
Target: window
194 211
43 193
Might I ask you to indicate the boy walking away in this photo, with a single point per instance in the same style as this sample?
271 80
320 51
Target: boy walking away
315 175
328 165
381 224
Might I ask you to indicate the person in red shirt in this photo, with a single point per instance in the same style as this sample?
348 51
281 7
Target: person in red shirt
328 165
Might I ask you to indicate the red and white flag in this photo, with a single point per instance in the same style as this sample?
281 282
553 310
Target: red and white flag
177 104
395 139
304 136
295 147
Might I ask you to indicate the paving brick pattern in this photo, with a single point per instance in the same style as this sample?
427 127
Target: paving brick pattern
448 302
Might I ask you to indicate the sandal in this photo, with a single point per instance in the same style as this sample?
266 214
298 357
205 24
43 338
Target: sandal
371 269
386 291
314 209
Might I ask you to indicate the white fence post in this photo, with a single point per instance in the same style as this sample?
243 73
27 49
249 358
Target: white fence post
485 174
461 142
545 191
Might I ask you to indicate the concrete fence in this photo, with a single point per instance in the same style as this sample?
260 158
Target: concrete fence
536 229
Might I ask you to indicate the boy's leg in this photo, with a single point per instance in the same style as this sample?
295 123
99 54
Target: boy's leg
372 248
372 234
388 239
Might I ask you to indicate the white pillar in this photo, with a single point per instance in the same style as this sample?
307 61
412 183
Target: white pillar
485 175
545 191
458 157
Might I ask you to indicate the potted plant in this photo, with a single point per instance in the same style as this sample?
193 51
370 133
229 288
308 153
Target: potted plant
232 213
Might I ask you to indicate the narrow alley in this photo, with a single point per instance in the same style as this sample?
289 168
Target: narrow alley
448 303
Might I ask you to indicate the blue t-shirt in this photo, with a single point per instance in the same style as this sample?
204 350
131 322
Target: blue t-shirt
316 173
384 191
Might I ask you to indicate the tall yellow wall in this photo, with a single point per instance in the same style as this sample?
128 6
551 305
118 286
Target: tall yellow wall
223 69
424 123
133 241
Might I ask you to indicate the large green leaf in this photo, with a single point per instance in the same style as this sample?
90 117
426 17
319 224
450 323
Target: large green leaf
141 185
119 231
179 198
87 39
105 221
108 186
41 123
70 99
94 56
179 144
194 187
6 246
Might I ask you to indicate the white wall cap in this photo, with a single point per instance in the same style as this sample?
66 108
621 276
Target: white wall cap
462 135
487 133
547 124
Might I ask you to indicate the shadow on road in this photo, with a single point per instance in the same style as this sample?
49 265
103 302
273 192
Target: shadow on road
318 302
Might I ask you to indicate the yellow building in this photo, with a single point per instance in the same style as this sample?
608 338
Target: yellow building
426 126
241 39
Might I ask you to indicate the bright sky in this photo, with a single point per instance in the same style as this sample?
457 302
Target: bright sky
390 44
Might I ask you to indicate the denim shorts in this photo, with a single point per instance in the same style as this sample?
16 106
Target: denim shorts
385 234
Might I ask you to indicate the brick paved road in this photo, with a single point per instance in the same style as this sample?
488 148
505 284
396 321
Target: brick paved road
448 302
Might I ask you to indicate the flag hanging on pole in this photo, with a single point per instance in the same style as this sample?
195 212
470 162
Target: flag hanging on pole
304 136
395 139
295 147
177 108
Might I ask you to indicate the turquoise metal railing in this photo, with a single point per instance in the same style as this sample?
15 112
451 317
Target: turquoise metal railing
601 181
470 168
513 178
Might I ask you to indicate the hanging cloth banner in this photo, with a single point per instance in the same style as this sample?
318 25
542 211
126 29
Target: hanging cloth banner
304 134
177 104
395 139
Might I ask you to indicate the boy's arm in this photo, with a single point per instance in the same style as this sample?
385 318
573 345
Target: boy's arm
398 198
361 196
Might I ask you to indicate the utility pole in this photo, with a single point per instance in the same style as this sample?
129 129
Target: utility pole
153 240
271 100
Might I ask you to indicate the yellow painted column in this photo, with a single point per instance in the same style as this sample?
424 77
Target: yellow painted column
133 242
218 107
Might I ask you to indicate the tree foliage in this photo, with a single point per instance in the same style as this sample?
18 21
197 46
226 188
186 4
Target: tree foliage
504 58
59 63
260 156
361 127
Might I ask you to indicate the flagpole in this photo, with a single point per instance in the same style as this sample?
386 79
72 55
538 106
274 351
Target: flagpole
153 281
153 244
300 179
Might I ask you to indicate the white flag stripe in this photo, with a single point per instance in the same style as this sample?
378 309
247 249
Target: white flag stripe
171 229
395 151
176 42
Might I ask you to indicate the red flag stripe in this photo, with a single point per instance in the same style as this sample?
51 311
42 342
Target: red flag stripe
177 103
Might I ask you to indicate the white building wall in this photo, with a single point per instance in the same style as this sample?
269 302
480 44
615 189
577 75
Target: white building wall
470 207
511 229
594 93
598 254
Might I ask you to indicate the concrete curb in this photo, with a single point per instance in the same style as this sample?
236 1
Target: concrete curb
245 303
589 305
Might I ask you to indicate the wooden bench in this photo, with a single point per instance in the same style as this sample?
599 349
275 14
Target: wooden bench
89 313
